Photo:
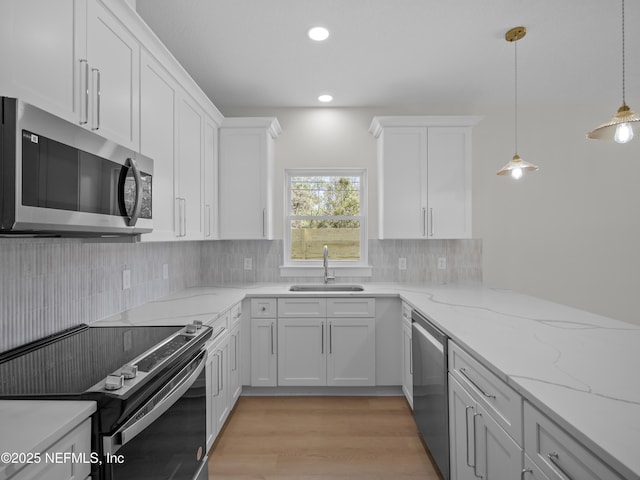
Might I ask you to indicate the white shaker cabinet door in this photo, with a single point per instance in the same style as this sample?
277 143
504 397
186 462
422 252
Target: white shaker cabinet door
449 182
157 141
113 55
189 200
43 73
351 359
302 348
403 175
264 352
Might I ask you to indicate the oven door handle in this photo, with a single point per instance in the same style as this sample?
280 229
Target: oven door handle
127 433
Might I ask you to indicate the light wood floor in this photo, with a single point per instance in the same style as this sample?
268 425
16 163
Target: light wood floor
320 438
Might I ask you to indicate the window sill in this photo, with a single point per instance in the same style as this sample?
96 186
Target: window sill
315 271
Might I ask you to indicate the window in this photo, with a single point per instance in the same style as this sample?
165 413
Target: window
325 207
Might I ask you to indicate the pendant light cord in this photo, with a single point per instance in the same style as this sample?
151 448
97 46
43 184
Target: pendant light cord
515 50
624 102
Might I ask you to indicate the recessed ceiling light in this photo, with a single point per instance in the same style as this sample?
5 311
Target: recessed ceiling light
324 98
318 34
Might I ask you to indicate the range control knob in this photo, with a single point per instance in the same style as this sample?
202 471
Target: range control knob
190 329
114 382
129 371
198 324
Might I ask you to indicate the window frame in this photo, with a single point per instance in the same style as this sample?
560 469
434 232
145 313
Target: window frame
327 172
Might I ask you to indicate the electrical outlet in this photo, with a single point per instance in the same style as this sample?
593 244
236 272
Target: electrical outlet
402 263
248 263
165 271
442 263
126 279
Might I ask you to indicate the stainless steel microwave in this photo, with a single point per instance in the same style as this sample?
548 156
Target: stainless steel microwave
58 178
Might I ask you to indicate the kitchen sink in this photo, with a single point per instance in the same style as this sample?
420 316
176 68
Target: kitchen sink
329 287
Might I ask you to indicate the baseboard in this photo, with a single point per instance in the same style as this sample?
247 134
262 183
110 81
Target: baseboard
379 391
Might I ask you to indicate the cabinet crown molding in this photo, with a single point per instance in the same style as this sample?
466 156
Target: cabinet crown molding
379 123
271 124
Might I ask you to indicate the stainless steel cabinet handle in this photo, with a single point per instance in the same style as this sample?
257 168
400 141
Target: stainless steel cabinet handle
475 445
525 471
424 222
554 458
184 217
207 220
264 229
218 374
431 222
272 341
330 338
322 340
84 92
411 358
221 372
463 371
466 421
96 95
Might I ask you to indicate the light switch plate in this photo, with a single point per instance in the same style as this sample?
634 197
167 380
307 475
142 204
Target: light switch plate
248 263
402 263
442 263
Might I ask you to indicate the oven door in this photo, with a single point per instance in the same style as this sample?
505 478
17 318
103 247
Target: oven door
166 438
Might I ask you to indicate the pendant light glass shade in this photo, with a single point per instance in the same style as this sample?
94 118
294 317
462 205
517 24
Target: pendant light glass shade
625 124
516 167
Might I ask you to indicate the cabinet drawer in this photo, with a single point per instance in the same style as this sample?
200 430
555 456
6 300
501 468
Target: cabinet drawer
351 307
558 454
263 308
502 402
532 472
302 307
235 314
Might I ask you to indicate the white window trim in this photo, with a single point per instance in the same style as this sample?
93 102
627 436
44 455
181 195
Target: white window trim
339 268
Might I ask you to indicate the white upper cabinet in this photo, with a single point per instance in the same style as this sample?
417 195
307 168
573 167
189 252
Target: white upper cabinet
42 73
111 67
158 93
210 179
189 170
246 163
424 172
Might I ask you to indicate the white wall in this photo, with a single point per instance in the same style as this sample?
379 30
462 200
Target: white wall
569 233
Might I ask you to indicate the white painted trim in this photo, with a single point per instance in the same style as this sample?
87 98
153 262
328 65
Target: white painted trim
379 123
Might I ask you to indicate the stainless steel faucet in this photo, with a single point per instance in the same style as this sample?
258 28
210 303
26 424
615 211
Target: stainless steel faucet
325 263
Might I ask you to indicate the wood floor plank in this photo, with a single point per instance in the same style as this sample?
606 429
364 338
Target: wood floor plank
320 438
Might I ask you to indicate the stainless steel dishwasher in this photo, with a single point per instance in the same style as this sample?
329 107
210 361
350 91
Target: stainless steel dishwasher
430 402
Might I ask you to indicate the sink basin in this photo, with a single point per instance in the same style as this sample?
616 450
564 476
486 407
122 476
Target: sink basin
330 287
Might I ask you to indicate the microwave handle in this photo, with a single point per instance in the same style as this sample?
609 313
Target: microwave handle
131 220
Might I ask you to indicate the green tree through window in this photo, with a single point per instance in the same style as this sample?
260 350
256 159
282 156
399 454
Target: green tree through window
325 210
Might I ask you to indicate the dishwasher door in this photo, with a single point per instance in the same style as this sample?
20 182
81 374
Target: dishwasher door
430 402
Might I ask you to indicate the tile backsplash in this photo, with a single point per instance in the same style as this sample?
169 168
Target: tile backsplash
47 285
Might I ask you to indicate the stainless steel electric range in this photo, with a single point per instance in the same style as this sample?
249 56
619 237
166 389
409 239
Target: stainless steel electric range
149 385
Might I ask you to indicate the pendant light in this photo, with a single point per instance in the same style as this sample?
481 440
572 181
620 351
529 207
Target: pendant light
516 167
625 123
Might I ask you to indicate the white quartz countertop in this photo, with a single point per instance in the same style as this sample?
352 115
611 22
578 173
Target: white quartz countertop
579 368
32 426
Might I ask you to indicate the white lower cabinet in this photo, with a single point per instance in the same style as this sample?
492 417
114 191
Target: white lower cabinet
326 342
235 371
218 404
407 354
557 454
531 470
479 447
78 442
264 358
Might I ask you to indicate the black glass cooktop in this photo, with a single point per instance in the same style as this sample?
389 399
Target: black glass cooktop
72 363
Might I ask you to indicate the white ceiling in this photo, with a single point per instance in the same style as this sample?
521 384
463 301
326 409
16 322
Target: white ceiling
391 53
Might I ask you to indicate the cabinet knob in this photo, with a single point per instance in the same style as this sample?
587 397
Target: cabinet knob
264 309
